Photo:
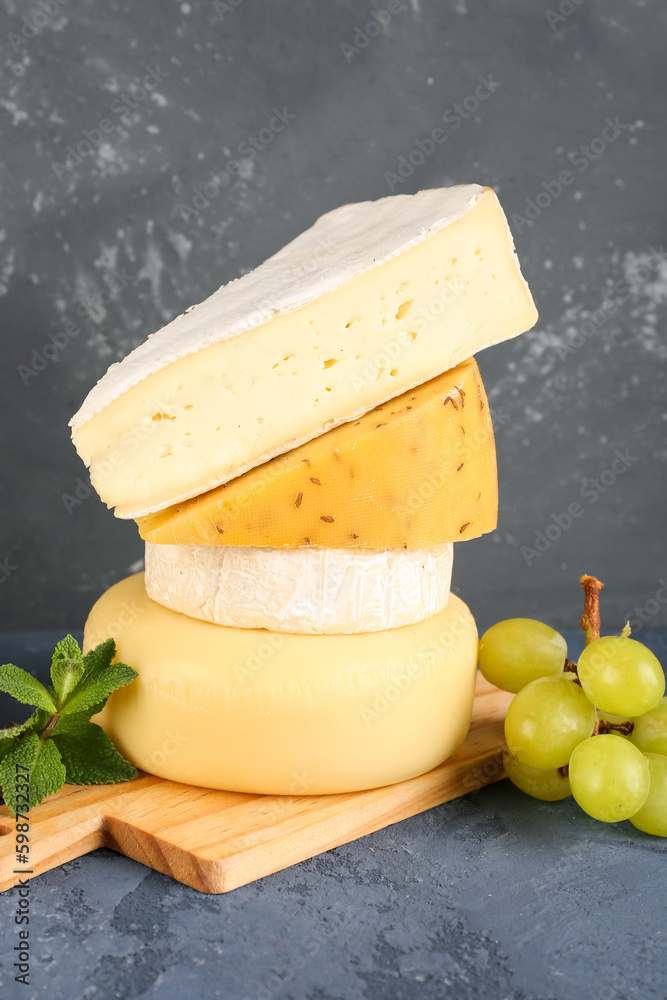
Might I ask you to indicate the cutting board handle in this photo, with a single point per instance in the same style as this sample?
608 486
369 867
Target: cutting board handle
57 833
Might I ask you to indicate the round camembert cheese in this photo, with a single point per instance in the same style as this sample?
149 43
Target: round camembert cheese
300 590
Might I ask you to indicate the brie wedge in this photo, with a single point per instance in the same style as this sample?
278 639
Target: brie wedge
373 300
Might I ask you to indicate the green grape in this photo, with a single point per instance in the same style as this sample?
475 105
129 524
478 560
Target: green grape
609 778
546 721
519 650
621 675
550 786
650 732
652 817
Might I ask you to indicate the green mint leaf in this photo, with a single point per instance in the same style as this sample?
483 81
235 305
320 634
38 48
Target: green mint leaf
99 658
70 747
6 744
24 687
40 719
41 771
97 663
48 774
69 720
88 754
70 723
67 668
67 649
11 732
96 687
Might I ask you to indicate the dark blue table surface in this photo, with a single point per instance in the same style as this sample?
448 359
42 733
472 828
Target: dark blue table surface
493 896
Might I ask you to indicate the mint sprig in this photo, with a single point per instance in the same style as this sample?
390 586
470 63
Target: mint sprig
58 743
25 688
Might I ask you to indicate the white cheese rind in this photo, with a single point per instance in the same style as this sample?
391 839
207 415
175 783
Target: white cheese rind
310 591
340 245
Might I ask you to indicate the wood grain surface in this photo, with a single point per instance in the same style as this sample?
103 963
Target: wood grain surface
216 841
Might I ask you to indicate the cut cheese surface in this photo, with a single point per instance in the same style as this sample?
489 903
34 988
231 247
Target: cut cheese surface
375 299
256 711
300 590
418 471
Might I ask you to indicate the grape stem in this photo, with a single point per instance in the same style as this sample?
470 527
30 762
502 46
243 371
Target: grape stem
590 620
623 728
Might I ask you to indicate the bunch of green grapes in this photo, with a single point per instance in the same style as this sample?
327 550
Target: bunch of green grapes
596 730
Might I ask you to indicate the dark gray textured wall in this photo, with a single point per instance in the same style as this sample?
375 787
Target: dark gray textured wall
97 250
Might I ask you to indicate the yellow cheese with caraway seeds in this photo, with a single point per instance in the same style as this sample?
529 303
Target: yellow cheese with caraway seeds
415 472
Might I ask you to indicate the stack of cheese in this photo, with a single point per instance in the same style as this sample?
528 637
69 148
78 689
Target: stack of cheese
301 451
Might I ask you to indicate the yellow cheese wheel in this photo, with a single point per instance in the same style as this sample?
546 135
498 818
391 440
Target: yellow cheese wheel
416 472
256 711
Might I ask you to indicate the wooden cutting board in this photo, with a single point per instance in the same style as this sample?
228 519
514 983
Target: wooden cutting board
216 841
